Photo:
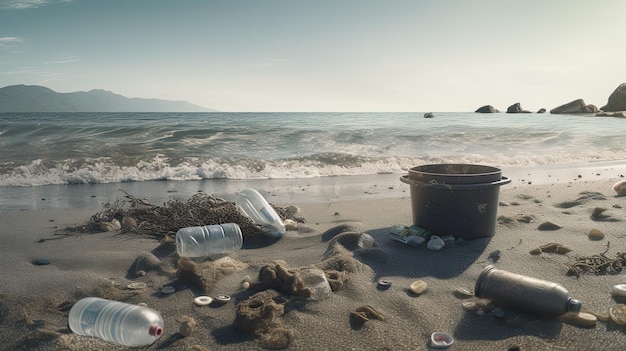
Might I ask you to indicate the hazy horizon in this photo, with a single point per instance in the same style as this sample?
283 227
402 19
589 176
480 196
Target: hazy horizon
329 55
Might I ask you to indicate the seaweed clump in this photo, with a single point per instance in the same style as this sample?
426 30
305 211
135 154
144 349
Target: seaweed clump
140 217
598 264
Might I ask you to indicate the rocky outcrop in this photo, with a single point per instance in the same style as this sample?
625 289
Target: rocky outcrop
617 100
542 110
487 109
516 108
576 106
611 114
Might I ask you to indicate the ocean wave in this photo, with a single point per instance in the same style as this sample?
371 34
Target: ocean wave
107 170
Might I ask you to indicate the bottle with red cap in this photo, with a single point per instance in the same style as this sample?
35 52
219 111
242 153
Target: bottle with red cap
118 322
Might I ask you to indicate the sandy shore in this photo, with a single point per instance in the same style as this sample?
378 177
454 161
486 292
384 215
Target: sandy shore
35 299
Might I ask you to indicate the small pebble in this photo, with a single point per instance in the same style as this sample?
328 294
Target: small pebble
435 243
620 188
418 287
168 289
470 305
498 313
187 326
290 224
582 319
595 234
41 261
245 285
549 226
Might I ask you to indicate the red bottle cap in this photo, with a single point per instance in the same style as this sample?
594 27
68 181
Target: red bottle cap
155 330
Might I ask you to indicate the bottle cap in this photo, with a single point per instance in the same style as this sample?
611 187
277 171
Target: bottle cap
573 305
155 330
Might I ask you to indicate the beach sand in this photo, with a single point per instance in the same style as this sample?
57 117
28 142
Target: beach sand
35 299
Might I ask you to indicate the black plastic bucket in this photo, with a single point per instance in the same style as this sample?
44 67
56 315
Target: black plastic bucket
458 199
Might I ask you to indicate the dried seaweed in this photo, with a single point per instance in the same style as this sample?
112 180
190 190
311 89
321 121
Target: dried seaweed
140 217
599 264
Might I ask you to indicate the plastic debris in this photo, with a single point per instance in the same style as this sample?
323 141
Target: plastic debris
441 340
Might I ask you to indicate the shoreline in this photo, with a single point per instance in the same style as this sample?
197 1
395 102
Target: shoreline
283 191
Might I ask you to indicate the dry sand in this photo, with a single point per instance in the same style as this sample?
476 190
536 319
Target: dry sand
35 300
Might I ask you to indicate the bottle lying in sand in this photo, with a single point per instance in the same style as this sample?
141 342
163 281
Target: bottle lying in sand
118 322
208 240
539 297
254 205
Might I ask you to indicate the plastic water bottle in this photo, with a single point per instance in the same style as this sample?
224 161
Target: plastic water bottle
539 297
118 322
254 205
208 240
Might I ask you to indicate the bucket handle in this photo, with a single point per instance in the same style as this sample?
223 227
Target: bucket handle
407 180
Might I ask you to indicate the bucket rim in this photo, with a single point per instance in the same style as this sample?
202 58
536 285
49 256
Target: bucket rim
414 182
455 173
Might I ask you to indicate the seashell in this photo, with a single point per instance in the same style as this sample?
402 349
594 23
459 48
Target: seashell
441 340
595 234
463 293
435 243
136 286
129 222
202 301
582 319
549 226
620 187
619 290
418 287
618 314
112 226
168 289
290 224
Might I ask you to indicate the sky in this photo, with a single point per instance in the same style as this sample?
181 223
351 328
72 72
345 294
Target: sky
321 55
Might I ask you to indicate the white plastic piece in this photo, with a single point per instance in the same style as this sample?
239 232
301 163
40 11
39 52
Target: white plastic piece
315 279
441 340
202 301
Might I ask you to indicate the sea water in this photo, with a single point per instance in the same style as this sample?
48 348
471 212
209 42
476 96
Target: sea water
45 149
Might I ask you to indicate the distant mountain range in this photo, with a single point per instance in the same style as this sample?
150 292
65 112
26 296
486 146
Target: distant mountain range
34 98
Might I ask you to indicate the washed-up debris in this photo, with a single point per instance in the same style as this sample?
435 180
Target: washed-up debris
202 300
598 264
141 217
441 340
582 319
463 293
412 236
551 248
363 314
435 243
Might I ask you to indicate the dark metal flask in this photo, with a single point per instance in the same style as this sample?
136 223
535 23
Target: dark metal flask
539 297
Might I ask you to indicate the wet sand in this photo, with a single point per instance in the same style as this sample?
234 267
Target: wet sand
35 299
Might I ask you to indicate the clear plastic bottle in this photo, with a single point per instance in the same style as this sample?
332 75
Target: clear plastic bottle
208 240
252 204
118 322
